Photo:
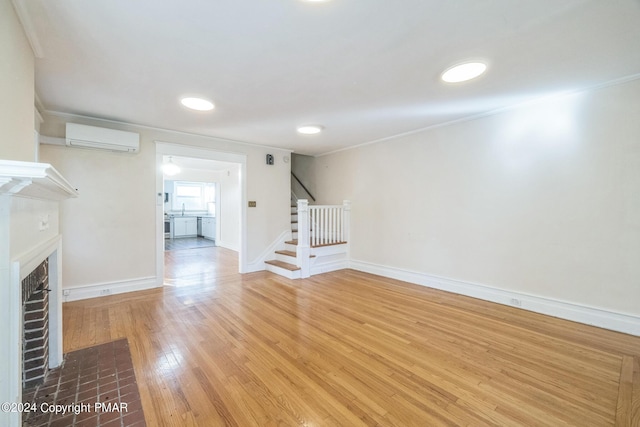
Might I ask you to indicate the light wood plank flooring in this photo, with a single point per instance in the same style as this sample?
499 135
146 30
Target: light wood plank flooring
348 348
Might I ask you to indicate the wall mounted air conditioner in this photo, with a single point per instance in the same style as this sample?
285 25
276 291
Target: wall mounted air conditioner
103 139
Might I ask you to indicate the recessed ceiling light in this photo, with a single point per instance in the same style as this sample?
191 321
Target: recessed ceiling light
464 72
310 129
197 104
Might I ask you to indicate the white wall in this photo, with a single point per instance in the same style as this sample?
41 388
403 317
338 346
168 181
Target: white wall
16 143
541 200
196 175
229 219
110 228
16 89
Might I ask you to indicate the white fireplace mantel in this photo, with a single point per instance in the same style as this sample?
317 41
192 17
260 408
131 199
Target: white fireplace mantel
30 196
34 180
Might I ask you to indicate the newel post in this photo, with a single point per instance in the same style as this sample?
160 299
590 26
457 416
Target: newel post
303 251
346 220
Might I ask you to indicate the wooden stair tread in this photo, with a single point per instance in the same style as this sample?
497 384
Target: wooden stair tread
328 244
291 253
295 242
284 265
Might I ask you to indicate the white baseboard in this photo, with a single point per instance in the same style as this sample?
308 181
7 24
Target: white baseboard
619 322
108 288
224 244
326 267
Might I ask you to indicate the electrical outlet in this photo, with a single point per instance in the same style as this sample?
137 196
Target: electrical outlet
516 302
66 292
105 292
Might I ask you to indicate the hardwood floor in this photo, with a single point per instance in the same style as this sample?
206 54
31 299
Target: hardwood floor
349 348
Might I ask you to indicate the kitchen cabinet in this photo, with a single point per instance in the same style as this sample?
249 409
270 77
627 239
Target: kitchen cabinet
185 226
209 228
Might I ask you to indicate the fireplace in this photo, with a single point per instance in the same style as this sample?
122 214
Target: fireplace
30 277
35 332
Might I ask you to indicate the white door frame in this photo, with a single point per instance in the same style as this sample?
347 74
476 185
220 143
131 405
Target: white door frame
170 149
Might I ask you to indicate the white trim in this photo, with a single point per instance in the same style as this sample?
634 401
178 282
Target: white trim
39 119
320 267
223 244
594 316
108 288
175 132
167 148
258 263
16 336
52 140
31 259
34 180
29 28
55 308
493 112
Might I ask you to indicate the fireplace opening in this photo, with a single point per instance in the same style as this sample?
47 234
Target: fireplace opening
35 311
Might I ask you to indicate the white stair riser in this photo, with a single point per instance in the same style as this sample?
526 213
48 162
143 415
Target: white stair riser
286 258
290 247
283 272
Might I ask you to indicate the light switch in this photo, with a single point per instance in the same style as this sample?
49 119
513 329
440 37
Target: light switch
44 222
252 204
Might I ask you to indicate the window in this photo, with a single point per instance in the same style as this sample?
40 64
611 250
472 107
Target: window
193 196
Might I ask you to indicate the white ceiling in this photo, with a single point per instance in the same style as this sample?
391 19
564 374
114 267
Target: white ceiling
365 69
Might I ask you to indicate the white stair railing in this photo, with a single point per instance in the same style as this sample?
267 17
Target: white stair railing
318 226
323 225
326 225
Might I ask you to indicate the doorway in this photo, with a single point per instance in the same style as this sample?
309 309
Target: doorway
225 213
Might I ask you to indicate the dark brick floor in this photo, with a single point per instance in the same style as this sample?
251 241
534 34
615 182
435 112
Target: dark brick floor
102 374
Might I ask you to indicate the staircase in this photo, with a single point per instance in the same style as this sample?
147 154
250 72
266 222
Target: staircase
318 241
285 262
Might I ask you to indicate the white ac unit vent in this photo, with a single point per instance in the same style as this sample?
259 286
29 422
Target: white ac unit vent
103 139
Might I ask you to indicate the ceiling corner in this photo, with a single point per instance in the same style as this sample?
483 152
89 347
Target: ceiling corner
27 25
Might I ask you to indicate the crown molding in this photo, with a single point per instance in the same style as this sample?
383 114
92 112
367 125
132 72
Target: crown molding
532 101
73 116
27 25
